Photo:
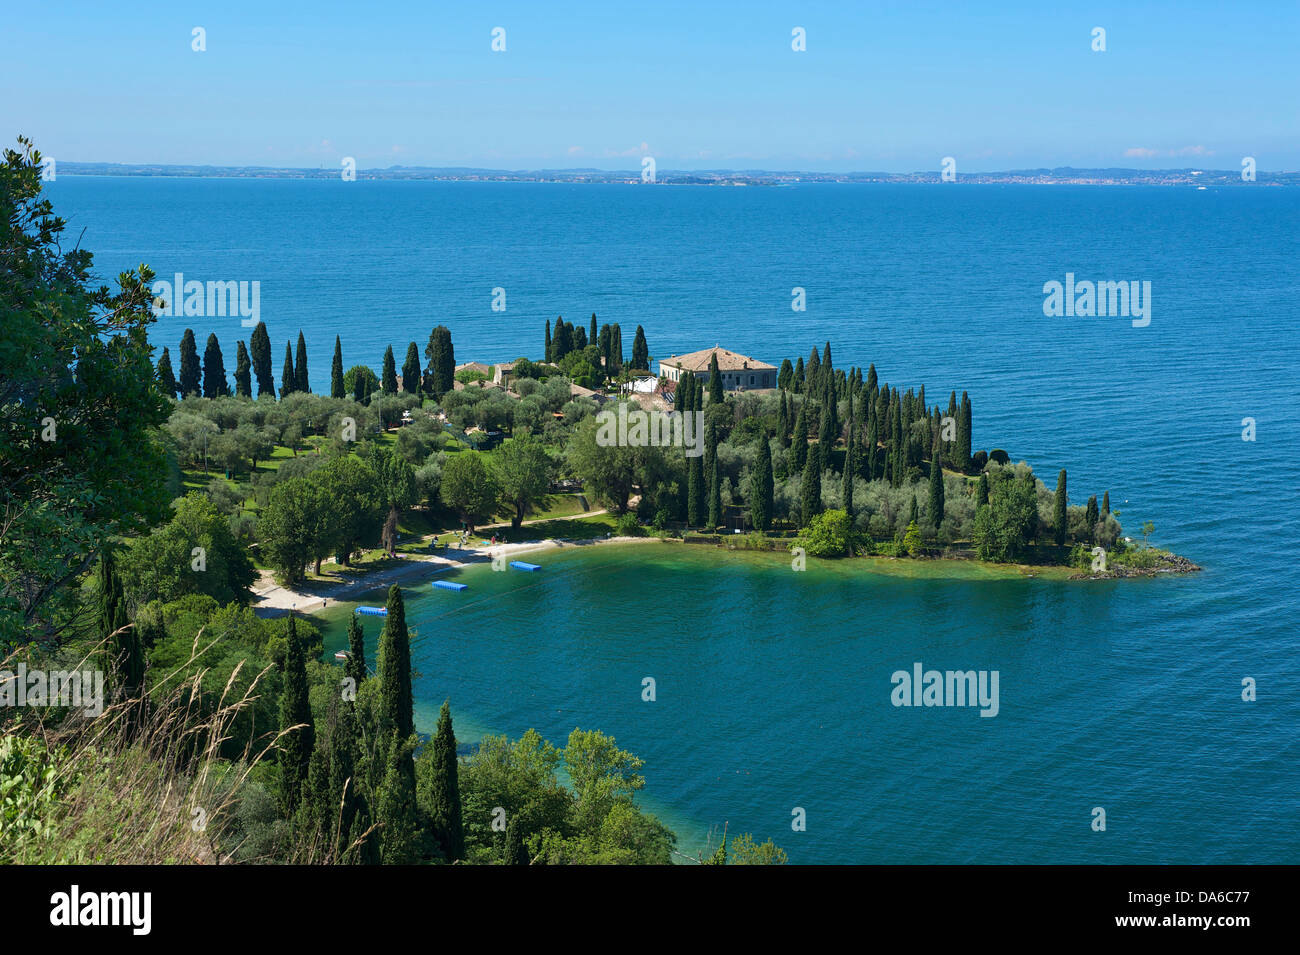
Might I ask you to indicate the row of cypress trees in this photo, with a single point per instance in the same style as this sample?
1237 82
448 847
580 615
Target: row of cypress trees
566 338
253 363
354 789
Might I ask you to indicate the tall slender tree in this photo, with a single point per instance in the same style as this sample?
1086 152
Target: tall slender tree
715 479
300 380
288 383
592 333
190 383
259 349
934 510
963 434
296 744
166 378
356 665
810 490
850 464
388 378
444 794
640 350
1090 517
715 380
442 361
761 487
1105 505
214 370
799 439
411 369
1058 510
396 711
546 354
243 372
336 370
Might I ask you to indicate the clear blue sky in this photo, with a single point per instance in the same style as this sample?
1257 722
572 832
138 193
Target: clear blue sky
882 86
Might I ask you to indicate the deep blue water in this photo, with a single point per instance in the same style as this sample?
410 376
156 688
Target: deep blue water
1124 695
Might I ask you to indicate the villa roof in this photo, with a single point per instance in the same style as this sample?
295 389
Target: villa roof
698 361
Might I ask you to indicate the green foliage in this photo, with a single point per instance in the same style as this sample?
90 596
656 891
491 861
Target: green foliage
524 472
440 788
1004 528
828 534
164 564
295 721
469 487
744 851
31 788
79 405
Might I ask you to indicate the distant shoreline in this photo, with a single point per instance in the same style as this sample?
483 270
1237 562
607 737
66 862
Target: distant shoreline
1061 176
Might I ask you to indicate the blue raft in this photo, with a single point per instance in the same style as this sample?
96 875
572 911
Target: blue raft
374 611
449 585
524 565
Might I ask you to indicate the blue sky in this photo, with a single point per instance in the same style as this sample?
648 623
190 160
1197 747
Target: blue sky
881 86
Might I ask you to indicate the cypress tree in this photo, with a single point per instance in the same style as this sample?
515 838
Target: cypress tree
761 487
935 509
616 347
785 375
850 465
912 512
288 384
695 492
121 641
798 381
715 379
515 853
190 374
1091 516
869 449
356 665
300 382
336 370
828 431
606 346
579 338
982 492
640 350
950 445
810 490
166 378
899 451
813 374
592 334
784 424
259 349
295 745
546 354
345 798
444 801
388 379
715 480
396 810
243 372
1105 505
963 435
1058 510
214 370
799 440
442 361
411 370
396 713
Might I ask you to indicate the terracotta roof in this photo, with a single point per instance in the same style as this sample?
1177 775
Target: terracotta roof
698 361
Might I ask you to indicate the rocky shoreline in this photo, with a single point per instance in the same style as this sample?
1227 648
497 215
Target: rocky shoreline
1165 564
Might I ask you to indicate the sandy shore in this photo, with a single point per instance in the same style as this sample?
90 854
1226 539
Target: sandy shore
272 600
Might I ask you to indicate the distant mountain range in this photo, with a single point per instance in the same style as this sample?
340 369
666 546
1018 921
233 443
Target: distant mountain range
1064 175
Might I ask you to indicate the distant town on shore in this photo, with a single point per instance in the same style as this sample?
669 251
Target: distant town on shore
1064 175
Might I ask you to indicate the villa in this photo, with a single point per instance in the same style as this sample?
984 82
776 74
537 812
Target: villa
739 372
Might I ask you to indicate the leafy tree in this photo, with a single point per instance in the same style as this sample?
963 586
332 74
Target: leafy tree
288 383
397 490
761 488
336 370
191 374
828 534
166 378
360 382
469 487
299 733
298 526
351 483
442 361
744 851
411 369
524 474
300 381
982 491
194 553
259 348
388 377
1004 528
602 775
1059 526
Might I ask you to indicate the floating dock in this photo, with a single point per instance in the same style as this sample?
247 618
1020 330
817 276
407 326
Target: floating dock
524 565
449 585
374 611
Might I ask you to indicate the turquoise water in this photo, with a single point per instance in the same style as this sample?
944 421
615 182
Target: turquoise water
773 688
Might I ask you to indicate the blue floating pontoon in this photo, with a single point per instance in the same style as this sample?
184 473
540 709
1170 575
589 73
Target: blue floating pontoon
524 565
449 585
374 611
